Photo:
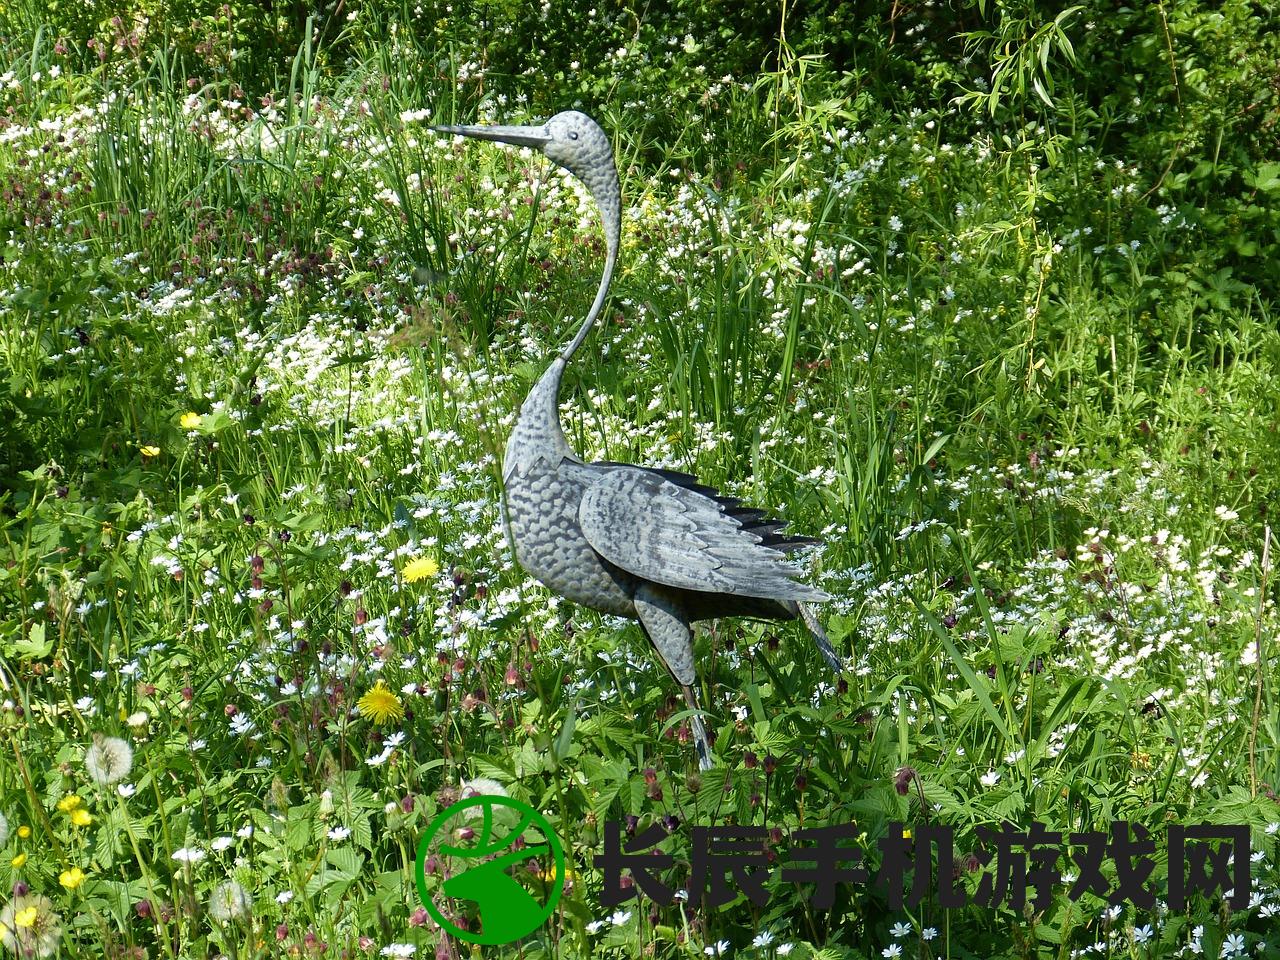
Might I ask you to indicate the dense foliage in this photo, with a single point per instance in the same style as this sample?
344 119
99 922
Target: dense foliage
983 293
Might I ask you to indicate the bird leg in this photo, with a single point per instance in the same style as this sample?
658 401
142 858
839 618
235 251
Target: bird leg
820 636
700 741
667 628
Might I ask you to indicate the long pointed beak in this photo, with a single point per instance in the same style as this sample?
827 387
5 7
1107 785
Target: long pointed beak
536 137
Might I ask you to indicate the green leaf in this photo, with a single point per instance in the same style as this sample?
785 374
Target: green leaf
564 741
757 706
352 360
35 645
1266 178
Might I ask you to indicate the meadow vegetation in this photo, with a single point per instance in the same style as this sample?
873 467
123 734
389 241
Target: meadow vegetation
982 293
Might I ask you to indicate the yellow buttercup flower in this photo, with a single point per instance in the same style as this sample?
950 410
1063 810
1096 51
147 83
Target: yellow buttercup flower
24 831
380 705
19 861
26 917
81 817
190 420
551 874
149 451
71 878
420 568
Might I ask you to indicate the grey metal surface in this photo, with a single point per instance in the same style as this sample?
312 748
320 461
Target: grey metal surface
654 545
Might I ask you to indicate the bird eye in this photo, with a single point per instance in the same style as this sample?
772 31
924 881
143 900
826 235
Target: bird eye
573 134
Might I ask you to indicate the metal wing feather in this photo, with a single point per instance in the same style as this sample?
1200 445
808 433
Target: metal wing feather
676 535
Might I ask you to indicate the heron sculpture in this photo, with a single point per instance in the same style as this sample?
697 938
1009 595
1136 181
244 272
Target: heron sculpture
651 544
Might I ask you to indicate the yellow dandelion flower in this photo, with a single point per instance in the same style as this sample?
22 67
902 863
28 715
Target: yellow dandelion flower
380 705
69 803
19 861
24 831
190 420
149 451
81 817
71 878
420 568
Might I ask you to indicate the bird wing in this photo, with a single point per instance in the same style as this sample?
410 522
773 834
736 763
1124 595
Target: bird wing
674 534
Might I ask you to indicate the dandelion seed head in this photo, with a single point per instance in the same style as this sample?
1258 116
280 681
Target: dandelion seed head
482 787
230 901
108 760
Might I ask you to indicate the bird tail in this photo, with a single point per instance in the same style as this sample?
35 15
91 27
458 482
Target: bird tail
828 652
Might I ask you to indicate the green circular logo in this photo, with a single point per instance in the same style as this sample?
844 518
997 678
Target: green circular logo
476 842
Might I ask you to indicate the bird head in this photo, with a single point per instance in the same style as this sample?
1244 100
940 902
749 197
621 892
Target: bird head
573 141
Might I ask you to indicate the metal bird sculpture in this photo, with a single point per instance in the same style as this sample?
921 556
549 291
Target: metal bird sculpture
650 544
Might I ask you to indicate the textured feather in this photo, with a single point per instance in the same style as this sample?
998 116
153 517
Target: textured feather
753 520
668 533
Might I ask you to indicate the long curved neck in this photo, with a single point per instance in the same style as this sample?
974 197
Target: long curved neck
538 433
611 258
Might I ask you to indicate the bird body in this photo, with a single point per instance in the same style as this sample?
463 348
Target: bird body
651 544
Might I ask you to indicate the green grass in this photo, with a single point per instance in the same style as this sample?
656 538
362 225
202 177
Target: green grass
1039 443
